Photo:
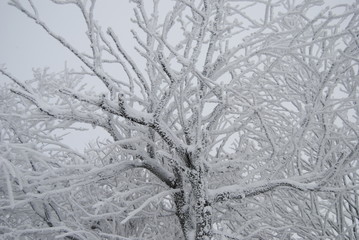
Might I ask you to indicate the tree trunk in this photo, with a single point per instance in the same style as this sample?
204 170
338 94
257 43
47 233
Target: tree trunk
203 208
195 212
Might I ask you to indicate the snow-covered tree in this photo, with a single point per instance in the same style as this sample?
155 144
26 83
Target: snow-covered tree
224 125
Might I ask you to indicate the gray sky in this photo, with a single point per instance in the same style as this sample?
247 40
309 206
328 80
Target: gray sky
25 45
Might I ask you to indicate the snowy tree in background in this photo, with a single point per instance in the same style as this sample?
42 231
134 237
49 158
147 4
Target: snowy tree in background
230 126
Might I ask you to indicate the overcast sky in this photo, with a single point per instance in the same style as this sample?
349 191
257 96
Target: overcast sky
25 45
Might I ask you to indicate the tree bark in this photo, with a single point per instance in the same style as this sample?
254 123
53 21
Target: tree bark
203 208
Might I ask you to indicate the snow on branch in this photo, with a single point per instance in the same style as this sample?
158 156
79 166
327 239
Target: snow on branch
239 192
148 201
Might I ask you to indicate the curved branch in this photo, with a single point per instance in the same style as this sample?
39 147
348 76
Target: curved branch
239 192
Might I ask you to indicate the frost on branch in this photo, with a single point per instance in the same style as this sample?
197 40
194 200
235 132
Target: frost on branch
233 125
